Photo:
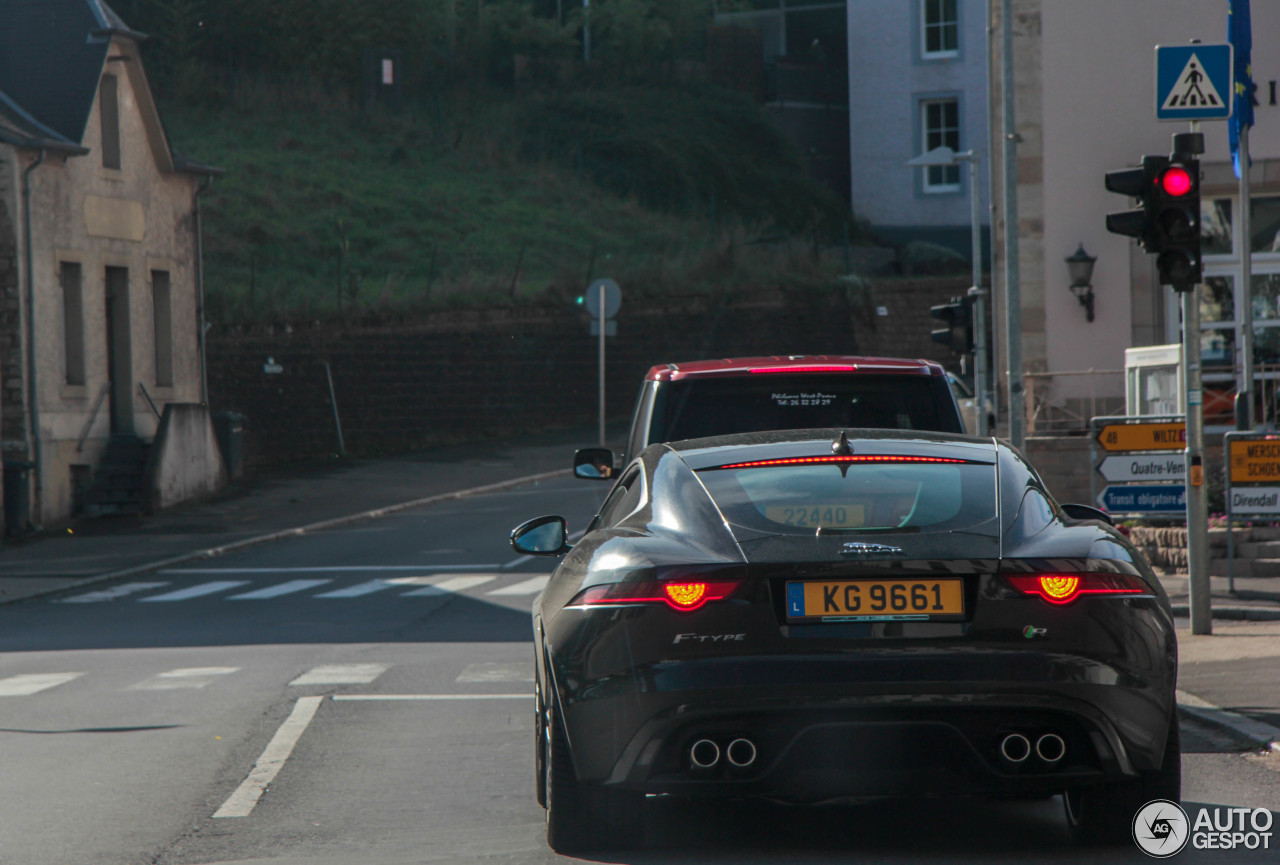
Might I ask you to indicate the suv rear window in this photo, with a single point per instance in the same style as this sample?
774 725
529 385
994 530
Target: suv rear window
869 496
717 406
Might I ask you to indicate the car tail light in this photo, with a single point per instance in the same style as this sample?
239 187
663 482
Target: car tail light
1065 588
768 370
840 459
684 595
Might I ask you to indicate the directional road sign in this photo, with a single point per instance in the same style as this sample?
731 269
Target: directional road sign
1143 436
612 298
1144 498
1143 467
1255 500
1254 461
1193 82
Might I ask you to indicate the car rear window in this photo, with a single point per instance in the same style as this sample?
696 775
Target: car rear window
864 496
717 406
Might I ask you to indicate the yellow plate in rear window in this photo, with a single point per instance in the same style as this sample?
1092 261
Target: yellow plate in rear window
844 516
910 599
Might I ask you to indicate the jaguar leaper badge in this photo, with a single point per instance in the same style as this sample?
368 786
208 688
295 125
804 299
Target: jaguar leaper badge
854 548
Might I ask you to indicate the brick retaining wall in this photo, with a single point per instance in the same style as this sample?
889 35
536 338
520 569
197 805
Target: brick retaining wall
455 375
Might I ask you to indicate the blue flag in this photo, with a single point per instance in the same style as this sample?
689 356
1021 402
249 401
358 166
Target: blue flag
1240 35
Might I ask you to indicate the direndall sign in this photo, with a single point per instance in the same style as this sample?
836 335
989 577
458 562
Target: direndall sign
1255 461
1255 500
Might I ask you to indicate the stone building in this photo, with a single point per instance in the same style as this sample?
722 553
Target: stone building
100 314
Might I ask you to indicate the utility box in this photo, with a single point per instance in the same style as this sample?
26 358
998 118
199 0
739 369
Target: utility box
228 429
1153 381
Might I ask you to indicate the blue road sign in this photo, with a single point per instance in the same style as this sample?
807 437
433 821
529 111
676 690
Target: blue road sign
1144 498
1193 82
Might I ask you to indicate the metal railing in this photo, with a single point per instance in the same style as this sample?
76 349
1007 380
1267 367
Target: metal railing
93 416
1053 413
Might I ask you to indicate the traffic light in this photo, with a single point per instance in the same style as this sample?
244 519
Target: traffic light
957 316
1139 183
1177 223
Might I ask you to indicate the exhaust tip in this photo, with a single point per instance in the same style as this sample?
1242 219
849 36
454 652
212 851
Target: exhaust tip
704 754
1051 748
1015 747
741 753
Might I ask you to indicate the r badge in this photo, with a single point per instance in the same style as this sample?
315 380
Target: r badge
1031 632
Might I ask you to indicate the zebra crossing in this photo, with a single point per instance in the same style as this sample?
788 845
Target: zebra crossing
322 675
496 584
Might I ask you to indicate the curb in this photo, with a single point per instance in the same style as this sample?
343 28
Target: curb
1251 614
1264 736
211 552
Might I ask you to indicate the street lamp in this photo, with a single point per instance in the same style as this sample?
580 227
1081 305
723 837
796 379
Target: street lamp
941 156
1080 269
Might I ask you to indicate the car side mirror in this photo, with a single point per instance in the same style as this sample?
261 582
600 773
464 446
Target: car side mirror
593 464
1086 512
541 536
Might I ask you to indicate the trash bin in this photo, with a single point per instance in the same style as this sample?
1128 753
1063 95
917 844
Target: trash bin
228 428
17 497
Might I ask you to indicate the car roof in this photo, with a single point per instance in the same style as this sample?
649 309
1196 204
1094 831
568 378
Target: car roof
783 444
794 363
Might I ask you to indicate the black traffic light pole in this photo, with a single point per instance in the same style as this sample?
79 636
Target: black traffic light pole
1167 225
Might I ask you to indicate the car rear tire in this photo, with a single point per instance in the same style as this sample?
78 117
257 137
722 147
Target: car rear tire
539 744
1104 814
581 816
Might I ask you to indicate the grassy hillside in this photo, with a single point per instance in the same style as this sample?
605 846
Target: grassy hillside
498 200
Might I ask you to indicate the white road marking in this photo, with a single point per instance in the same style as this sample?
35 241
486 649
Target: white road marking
183 677
241 803
341 674
531 586
33 683
489 671
196 591
111 594
452 584
402 698
327 569
359 589
279 589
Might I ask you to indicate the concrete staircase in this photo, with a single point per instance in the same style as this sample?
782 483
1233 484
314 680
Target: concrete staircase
1257 550
118 482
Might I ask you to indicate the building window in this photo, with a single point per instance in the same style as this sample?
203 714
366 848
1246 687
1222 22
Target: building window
72 321
940 30
161 313
109 114
940 122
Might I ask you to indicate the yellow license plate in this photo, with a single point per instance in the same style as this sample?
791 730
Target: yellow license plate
908 599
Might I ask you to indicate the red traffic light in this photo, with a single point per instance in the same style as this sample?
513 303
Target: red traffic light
1176 181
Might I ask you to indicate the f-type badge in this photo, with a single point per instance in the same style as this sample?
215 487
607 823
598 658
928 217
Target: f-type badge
858 549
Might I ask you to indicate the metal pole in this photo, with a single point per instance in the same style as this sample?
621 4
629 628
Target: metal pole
602 325
333 401
586 31
979 307
1012 289
1197 499
1245 337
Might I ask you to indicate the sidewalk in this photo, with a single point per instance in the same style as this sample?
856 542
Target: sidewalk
262 508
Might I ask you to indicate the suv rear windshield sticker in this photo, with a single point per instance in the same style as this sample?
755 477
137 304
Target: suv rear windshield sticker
798 399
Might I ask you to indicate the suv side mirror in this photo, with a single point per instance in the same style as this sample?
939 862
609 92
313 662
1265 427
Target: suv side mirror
593 464
541 536
1085 512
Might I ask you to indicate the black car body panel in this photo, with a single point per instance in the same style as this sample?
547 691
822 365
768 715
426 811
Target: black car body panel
852 707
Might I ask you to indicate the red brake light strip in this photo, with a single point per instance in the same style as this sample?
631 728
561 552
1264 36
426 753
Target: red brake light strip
773 369
682 595
846 458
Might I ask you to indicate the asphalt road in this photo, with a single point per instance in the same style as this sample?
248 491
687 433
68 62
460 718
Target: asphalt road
362 695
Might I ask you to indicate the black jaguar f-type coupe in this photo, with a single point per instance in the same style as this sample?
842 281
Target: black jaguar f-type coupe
824 614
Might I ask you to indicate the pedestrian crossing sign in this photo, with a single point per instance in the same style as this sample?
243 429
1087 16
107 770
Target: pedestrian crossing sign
1193 82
